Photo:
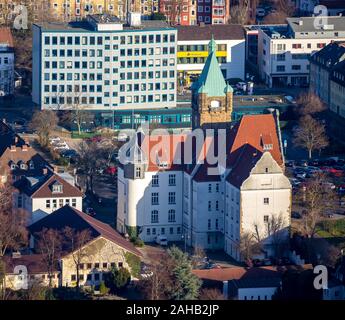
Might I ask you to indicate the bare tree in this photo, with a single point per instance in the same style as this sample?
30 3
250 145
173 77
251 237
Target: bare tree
173 10
211 294
248 246
6 8
49 244
44 122
239 13
276 230
89 161
309 103
316 197
13 233
310 134
75 242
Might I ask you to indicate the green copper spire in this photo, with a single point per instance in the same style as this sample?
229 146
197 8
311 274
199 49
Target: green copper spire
211 81
212 46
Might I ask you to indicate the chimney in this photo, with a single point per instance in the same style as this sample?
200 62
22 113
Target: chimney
13 148
4 120
15 139
45 171
300 22
24 147
55 169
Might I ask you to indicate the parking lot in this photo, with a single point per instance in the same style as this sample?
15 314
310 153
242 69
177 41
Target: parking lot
333 169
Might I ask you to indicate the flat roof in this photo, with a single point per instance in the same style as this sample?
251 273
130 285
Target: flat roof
84 26
205 32
308 24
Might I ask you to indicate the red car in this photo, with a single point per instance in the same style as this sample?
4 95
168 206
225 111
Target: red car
111 170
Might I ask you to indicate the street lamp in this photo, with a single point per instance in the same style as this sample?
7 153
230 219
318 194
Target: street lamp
184 237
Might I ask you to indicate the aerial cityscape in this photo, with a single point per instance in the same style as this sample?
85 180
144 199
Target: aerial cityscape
172 150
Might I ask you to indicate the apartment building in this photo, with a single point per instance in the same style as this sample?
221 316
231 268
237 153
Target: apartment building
181 13
321 65
192 51
104 64
167 184
213 11
284 51
6 62
337 89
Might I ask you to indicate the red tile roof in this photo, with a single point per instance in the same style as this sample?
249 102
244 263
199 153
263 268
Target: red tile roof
250 130
6 36
237 273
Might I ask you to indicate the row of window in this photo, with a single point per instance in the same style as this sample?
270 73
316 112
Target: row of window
54 203
99 40
198 60
155 216
171 182
154 119
97 265
155 198
99 88
157 51
209 225
154 231
148 98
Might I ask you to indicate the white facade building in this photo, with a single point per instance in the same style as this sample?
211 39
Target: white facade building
43 194
211 212
6 62
284 51
103 64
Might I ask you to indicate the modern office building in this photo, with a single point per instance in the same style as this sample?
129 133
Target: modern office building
284 51
6 62
104 64
192 51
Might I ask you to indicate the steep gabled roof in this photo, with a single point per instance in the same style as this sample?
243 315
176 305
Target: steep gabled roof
250 130
80 221
246 161
42 187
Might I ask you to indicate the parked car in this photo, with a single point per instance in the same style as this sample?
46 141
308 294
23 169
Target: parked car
296 215
260 12
290 163
90 211
161 240
110 170
122 137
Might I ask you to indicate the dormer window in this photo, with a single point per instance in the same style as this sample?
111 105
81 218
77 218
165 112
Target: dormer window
57 188
23 166
13 166
31 165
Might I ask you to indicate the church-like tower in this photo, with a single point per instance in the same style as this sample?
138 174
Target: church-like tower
212 98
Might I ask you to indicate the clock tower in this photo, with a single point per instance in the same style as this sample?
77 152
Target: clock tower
212 97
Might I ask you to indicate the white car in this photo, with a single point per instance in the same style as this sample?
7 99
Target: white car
162 240
54 140
122 137
260 12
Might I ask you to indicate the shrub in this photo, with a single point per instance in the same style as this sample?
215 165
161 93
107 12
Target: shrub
103 289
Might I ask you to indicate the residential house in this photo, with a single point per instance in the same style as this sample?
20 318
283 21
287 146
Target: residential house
6 62
321 65
42 194
105 248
